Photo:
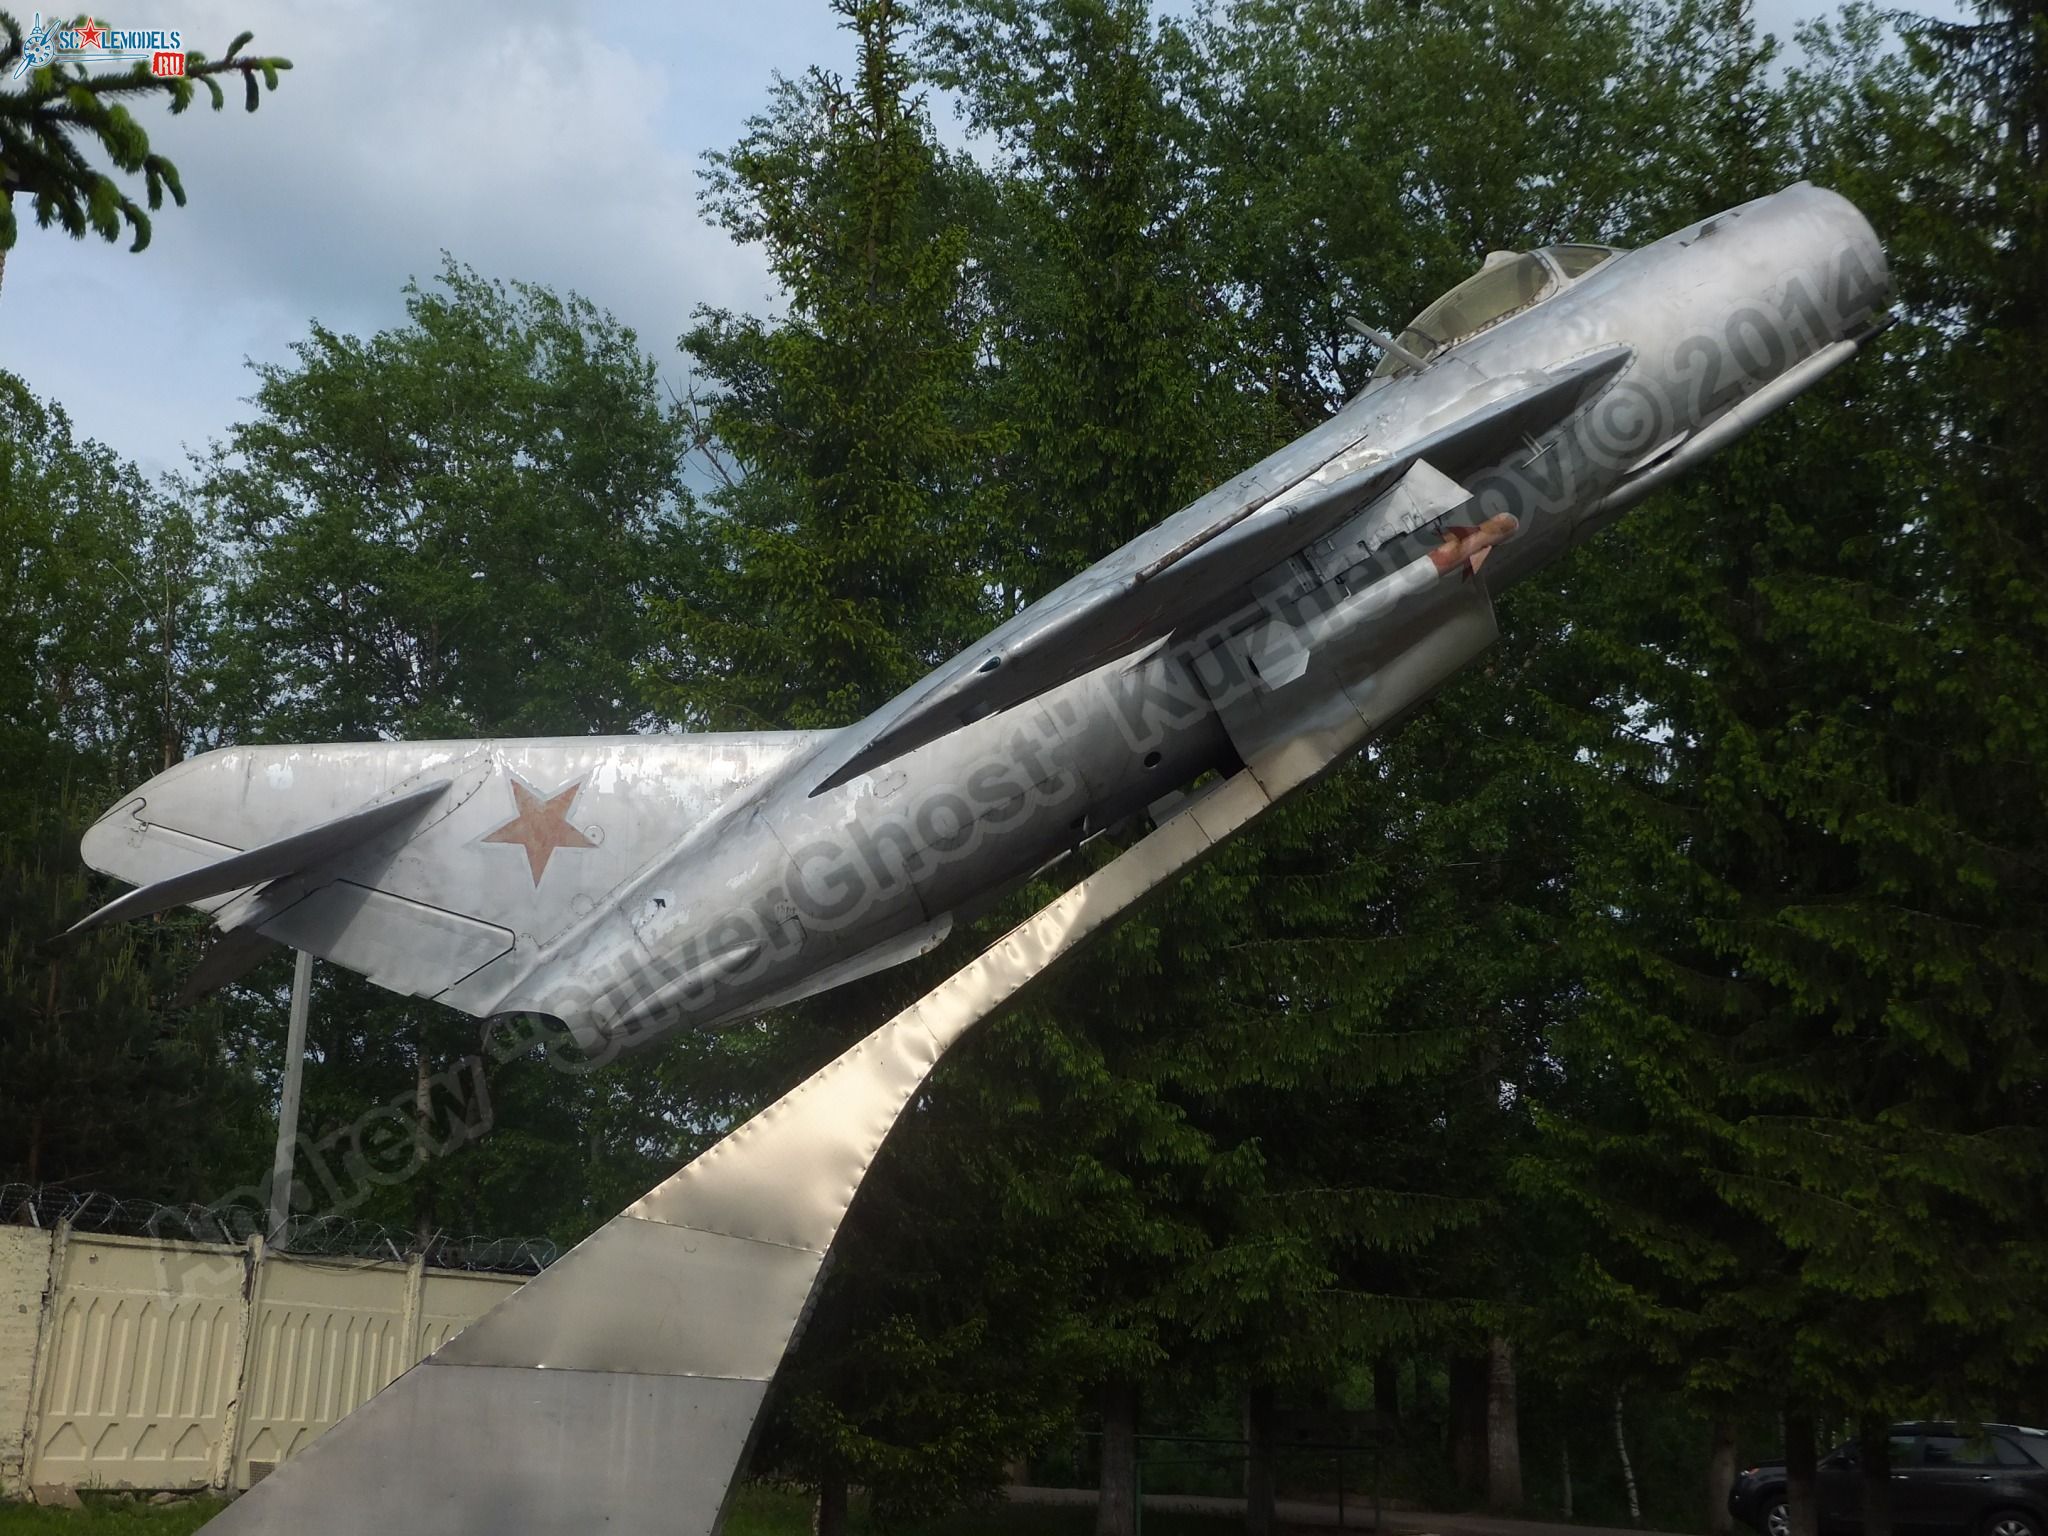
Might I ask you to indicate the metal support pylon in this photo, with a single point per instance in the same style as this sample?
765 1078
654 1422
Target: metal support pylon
620 1388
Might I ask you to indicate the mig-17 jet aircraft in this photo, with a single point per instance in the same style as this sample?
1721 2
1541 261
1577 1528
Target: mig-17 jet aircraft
628 885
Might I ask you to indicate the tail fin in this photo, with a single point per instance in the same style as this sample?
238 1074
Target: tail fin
447 861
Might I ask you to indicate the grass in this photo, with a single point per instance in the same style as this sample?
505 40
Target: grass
108 1515
758 1511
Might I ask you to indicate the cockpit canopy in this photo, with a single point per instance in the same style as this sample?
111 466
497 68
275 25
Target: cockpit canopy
1507 284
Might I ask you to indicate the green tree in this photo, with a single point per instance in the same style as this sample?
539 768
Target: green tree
838 548
1107 361
1511 126
841 557
455 528
1106 365
1364 155
106 634
54 110
1810 925
452 528
1225 1099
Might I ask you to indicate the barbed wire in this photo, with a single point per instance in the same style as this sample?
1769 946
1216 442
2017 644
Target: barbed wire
47 1206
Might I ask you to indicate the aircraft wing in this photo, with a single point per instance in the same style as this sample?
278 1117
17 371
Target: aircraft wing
1192 567
418 864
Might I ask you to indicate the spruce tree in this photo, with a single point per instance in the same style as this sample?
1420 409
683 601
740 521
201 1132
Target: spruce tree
52 110
838 545
1101 363
1328 198
1237 1091
1810 924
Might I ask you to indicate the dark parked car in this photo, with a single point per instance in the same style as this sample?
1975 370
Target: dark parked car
1993 1483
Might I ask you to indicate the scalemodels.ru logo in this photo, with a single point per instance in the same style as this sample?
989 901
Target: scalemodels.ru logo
91 42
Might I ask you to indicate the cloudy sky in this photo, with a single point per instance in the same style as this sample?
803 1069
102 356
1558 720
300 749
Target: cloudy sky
552 140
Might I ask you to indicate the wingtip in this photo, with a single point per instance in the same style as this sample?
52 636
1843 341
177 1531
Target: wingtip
98 918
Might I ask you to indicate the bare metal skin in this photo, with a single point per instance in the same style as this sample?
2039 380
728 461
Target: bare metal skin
628 885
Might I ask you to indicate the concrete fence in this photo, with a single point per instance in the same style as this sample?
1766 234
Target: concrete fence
134 1362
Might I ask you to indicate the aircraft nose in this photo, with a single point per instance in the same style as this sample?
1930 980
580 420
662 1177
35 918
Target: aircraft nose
1768 299
1837 280
1850 257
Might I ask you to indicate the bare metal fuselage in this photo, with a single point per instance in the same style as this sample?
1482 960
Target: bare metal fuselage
1328 589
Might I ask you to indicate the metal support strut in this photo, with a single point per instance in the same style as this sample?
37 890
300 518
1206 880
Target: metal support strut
620 1389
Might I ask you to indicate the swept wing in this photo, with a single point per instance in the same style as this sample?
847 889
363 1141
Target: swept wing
1192 566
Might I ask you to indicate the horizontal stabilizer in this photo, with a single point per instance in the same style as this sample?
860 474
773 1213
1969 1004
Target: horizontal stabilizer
272 861
494 850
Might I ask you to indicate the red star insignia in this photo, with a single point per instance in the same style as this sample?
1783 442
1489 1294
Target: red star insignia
89 35
542 824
